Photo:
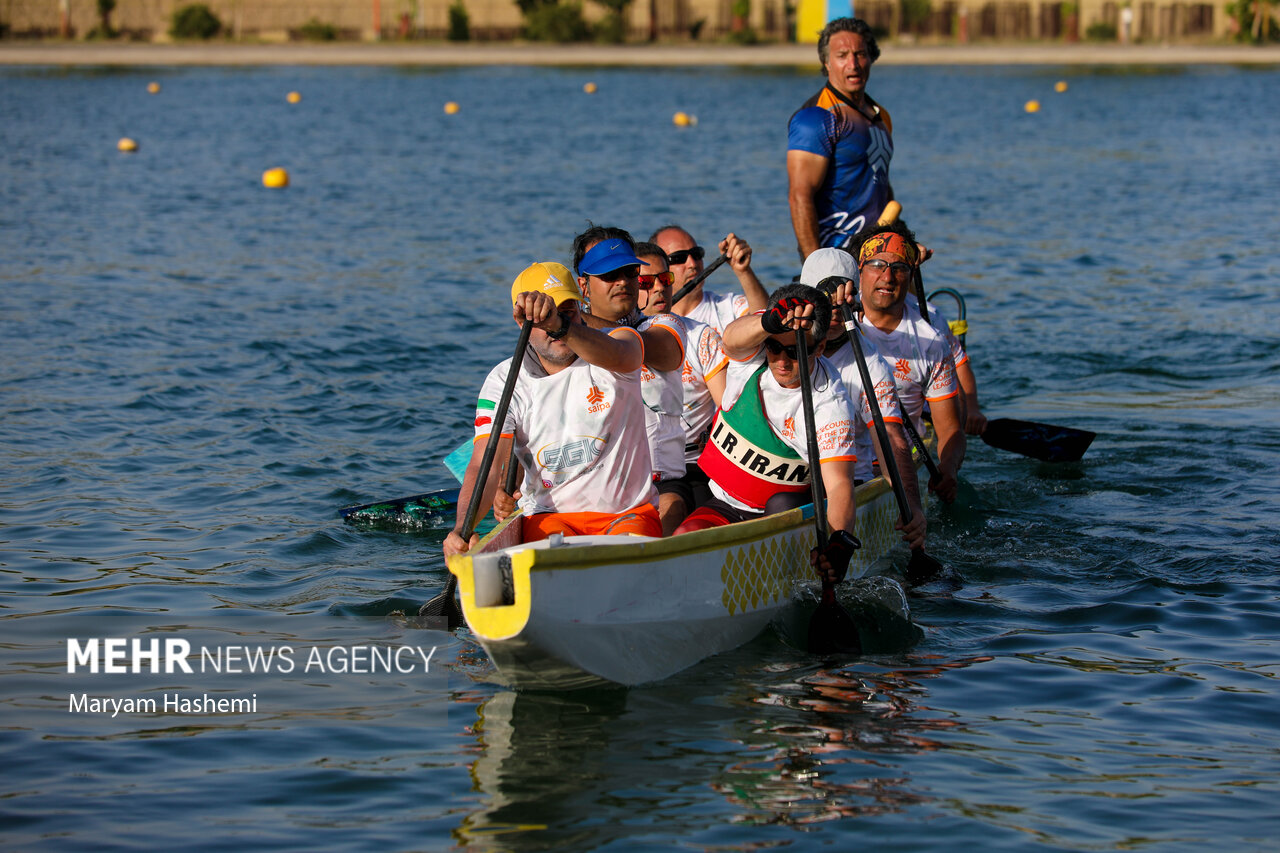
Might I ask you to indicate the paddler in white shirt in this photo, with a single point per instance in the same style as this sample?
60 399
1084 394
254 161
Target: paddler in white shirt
919 355
576 418
757 453
835 273
685 260
699 382
609 277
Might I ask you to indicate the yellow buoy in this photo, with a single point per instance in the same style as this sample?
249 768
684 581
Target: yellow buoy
127 144
589 88
153 88
293 97
682 119
1060 86
275 178
451 107
1032 106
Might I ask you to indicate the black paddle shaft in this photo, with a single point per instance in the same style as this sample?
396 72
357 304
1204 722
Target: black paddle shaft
918 281
698 279
869 389
831 628
442 612
922 567
491 449
811 436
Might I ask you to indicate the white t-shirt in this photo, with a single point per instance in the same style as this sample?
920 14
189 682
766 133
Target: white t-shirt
847 363
703 358
579 435
664 398
718 311
784 408
921 361
939 322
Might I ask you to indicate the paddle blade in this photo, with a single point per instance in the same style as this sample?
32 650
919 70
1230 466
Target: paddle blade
442 613
1045 442
831 629
922 568
458 459
416 512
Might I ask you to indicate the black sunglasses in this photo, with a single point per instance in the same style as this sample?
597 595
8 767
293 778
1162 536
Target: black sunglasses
611 276
677 258
793 352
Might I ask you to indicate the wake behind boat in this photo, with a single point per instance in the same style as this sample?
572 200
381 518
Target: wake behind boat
583 611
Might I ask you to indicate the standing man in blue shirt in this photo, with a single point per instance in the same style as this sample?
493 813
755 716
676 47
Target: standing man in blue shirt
839 145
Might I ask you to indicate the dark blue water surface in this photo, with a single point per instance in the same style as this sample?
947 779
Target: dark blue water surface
197 372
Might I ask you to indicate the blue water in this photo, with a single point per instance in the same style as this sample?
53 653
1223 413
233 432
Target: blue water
198 372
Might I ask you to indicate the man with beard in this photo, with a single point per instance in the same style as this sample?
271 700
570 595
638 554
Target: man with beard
576 418
919 355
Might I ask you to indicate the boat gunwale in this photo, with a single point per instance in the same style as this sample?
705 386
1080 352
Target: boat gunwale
630 548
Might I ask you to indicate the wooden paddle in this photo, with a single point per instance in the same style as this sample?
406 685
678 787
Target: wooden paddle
697 280
921 568
442 612
831 628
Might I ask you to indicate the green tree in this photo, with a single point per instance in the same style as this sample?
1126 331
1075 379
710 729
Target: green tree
614 26
195 21
459 22
104 30
548 20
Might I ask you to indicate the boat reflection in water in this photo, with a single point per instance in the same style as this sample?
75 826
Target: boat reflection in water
581 769
830 759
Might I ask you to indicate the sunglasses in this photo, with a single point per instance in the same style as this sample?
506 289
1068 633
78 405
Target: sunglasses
793 352
678 258
663 278
878 266
631 271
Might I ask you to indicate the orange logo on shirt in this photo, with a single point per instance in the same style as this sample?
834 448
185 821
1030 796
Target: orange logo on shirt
902 367
789 427
595 400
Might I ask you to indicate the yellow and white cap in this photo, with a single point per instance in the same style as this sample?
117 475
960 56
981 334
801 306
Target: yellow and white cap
547 277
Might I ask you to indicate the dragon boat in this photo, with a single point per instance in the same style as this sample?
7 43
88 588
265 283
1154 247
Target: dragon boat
583 611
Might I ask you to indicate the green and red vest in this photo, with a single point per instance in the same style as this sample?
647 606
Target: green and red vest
746 458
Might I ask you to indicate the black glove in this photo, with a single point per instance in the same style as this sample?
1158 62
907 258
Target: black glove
839 552
772 320
828 285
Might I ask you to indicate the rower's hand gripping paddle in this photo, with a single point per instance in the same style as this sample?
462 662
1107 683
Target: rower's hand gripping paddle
921 568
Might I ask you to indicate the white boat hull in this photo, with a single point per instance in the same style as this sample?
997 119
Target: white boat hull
586 610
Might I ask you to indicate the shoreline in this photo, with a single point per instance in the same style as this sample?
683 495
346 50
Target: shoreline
594 55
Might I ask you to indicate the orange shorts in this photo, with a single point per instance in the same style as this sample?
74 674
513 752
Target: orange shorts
642 520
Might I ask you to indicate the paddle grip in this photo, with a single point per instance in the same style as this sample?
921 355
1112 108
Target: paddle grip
698 279
890 214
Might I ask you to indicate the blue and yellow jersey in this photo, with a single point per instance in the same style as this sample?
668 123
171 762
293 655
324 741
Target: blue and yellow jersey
856 187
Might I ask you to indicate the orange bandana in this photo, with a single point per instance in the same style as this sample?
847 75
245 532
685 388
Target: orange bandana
889 242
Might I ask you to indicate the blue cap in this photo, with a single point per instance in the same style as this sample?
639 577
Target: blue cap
607 256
